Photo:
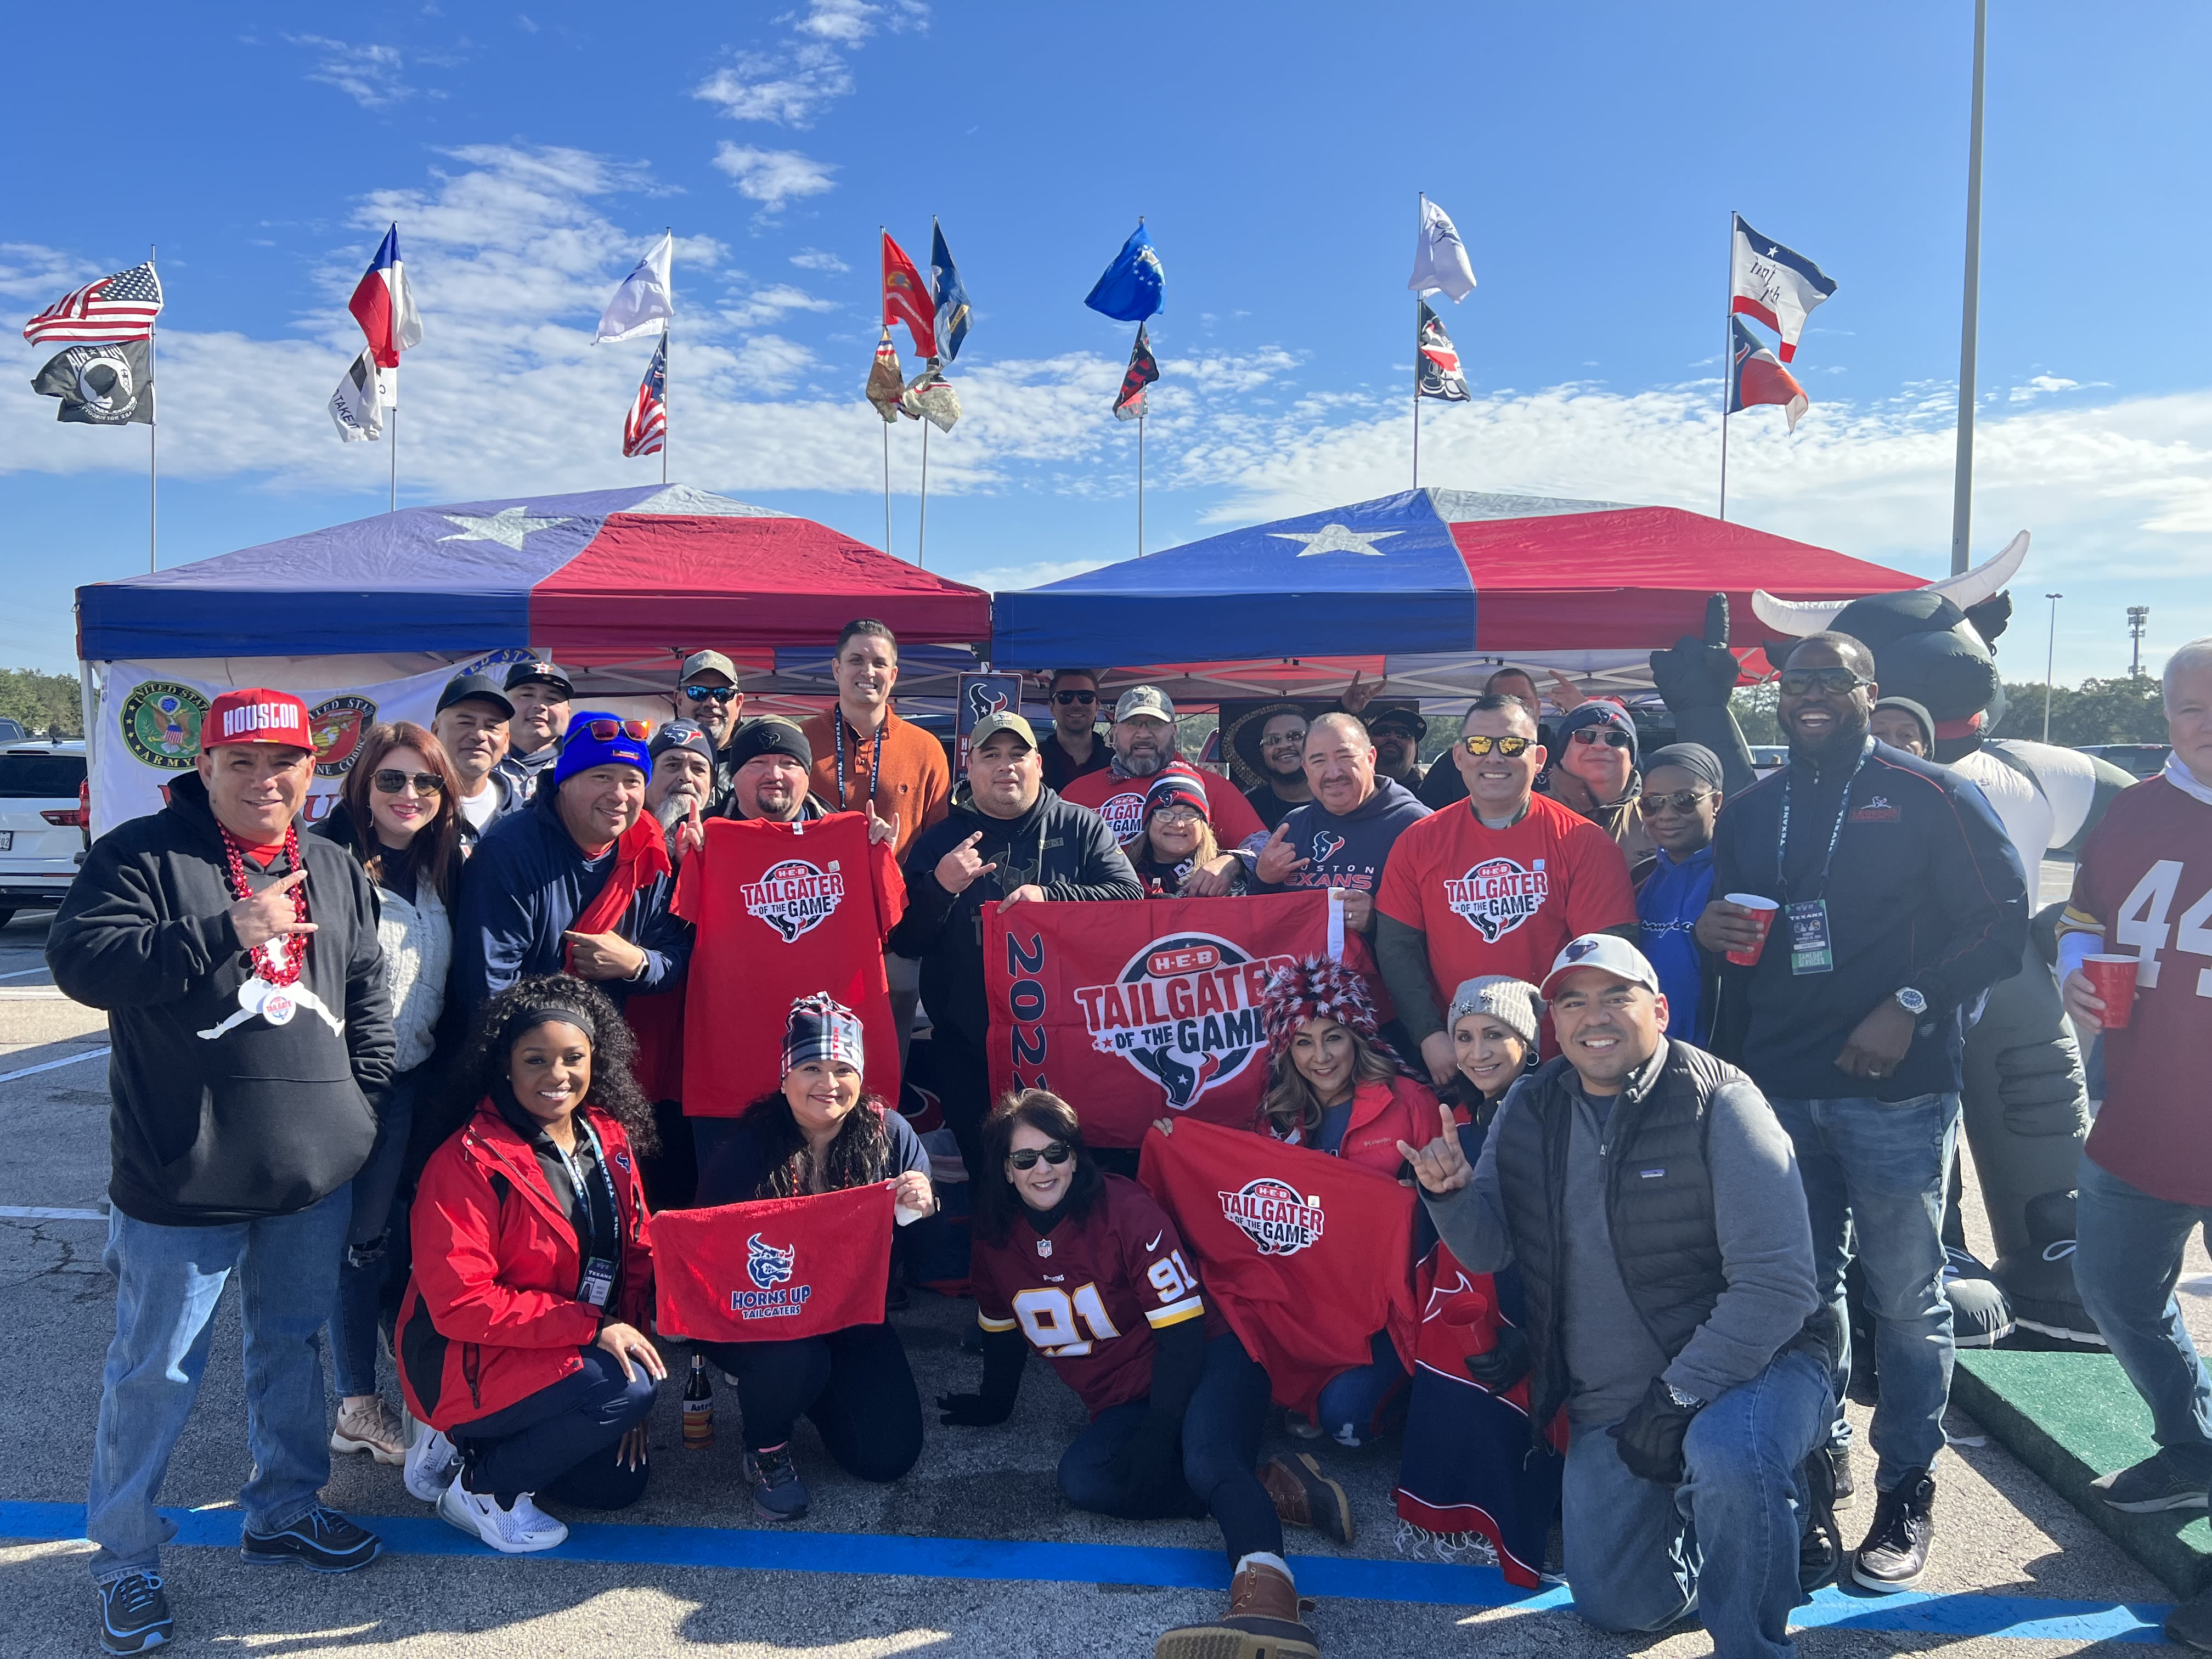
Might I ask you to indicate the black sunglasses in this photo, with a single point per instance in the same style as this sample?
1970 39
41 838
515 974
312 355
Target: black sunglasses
392 781
1611 735
1800 682
719 693
1682 800
1054 1152
1066 699
1479 744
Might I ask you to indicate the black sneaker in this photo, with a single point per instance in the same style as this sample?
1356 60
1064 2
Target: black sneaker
134 1614
322 1540
777 1493
2150 1486
1847 1489
1895 1552
1820 1546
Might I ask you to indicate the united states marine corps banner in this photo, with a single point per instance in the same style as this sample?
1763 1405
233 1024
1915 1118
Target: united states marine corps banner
1140 1009
774 1270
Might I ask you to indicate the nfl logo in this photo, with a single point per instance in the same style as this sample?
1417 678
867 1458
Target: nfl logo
1044 1247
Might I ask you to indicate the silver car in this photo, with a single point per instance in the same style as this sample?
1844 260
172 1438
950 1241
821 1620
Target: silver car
43 823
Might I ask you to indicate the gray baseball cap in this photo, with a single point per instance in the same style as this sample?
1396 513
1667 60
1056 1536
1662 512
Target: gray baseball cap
1144 703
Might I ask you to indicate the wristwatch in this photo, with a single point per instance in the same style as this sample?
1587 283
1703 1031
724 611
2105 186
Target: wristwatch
1688 1402
1913 1002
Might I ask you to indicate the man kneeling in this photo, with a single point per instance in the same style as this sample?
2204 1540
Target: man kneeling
1653 1204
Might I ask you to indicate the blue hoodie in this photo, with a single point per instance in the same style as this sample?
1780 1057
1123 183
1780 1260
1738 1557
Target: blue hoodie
1348 852
1668 906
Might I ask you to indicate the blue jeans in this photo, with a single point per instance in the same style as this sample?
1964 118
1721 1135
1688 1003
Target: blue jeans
2127 1255
1879 1169
1358 1405
168 1280
1636 1553
365 1261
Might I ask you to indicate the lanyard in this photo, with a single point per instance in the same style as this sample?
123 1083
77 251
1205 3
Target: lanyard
599 1196
1843 811
875 767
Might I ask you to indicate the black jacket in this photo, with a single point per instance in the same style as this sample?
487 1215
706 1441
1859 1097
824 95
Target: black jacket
262 1119
1062 848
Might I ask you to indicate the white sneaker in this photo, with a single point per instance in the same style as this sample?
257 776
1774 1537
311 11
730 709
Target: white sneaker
519 1531
432 1463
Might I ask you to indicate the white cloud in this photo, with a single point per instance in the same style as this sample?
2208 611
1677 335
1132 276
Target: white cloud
789 91
29 271
2039 385
848 22
773 177
813 258
766 304
369 75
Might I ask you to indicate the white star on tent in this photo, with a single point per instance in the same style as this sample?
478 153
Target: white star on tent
1336 538
507 526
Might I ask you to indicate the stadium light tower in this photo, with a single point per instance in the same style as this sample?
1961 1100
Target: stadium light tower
2049 656
2138 619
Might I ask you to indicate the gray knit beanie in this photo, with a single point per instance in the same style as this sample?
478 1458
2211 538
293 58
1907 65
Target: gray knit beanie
1513 1003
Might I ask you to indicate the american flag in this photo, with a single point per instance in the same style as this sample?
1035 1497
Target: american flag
118 307
646 429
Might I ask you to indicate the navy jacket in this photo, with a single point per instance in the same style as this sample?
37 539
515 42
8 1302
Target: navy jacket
1924 890
525 886
1349 851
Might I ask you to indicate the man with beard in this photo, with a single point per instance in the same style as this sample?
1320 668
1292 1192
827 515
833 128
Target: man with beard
678 788
1072 747
707 694
1901 901
540 693
472 723
1279 756
1144 739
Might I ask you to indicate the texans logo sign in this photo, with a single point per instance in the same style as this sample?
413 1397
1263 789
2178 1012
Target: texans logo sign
984 699
1185 1011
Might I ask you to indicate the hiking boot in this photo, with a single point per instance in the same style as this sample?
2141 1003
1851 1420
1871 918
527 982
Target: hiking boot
373 1427
777 1493
1819 1545
432 1463
1847 1489
2189 1625
2150 1486
1895 1552
1264 1620
322 1540
1304 1496
134 1614
519 1529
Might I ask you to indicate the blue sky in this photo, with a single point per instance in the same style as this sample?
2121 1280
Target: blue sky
1590 154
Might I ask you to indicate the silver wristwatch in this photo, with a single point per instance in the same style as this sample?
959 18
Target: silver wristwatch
1913 1002
1688 1402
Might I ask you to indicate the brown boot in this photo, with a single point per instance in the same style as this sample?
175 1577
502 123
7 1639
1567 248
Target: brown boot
1304 1496
1264 1621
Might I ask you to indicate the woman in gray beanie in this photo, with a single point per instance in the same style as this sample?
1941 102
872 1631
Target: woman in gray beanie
1493 1031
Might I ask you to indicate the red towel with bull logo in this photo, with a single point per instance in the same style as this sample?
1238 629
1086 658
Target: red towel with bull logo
1306 1256
776 1269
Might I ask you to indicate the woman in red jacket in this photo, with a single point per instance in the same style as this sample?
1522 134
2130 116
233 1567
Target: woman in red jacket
521 1345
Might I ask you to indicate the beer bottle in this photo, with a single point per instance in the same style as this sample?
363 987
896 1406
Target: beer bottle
698 1407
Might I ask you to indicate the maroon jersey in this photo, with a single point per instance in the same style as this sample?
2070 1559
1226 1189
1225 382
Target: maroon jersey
1089 1293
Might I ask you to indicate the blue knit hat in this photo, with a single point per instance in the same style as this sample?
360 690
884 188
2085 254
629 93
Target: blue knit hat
599 738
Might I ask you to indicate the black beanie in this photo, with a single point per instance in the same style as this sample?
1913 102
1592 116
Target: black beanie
770 735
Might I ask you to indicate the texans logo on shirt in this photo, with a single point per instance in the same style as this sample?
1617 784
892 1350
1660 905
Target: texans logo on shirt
770 1268
795 897
1496 895
1326 845
1272 1214
1185 1011
1875 808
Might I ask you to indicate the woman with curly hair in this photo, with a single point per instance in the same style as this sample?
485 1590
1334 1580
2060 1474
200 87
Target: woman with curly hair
521 1349
820 1133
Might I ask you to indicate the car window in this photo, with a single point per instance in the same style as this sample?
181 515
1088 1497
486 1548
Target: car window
40 777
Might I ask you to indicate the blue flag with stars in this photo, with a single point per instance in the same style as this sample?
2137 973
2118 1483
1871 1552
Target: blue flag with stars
1132 288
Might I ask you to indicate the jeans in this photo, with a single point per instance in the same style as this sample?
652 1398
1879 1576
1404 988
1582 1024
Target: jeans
1357 1405
855 1384
2127 1255
366 1259
1634 1554
560 1442
168 1280
1885 1166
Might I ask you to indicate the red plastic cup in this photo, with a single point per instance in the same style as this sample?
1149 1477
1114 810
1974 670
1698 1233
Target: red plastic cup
1763 911
2113 979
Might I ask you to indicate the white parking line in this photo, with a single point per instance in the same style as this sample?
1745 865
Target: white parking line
48 1065
22 972
40 1212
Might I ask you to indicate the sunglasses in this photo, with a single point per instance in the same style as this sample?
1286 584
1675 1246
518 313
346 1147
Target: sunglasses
1283 740
1054 1152
608 731
1509 747
1067 699
393 781
1682 800
720 693
1610 736
1803 681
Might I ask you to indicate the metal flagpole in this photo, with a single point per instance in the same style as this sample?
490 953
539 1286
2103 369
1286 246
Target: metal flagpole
887 487
921 529
1421 222
153 472
667 329
1962 489
1728 363
1140 486
392 502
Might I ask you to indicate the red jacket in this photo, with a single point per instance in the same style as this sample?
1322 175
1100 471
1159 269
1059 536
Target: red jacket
491 1315
1383 1115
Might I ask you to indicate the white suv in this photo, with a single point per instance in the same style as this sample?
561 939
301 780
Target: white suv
43 823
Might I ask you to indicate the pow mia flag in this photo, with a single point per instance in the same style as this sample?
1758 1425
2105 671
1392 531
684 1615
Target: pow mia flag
100 384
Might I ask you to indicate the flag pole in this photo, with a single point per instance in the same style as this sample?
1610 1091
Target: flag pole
887 487
1140 486
153 472
1728 361
392 502
1962 489
1420 227
921 529
667 329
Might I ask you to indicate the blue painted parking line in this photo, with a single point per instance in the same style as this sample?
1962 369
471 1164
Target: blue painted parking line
1024 1561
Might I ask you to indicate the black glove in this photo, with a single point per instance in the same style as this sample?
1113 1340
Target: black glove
1504 1362
972 1411
1698 673
1651 1437
1149 1470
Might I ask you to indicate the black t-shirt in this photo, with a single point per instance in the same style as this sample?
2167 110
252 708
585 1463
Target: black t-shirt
397 868
1272 807
1061 768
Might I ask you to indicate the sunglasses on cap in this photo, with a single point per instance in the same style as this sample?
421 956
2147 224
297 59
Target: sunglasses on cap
718 693
1802 681
1480 745
1054 1152
1682 800
1068 699
608 731
392 780
1611 735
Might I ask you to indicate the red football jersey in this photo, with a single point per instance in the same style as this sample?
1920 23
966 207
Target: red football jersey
1089 1293
782 910
1121 802
1503 901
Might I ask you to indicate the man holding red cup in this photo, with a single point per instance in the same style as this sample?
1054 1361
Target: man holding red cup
2135 965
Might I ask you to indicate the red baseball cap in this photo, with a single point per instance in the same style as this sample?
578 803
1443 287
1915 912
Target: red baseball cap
255 714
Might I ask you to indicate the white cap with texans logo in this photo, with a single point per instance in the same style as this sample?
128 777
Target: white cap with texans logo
1608 953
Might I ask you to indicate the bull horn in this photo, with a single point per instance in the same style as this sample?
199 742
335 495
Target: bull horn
1799 617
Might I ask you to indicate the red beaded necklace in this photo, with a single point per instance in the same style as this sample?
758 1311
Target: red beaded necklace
279 961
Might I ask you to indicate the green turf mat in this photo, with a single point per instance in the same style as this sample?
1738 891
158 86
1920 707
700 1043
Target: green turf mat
2070 1418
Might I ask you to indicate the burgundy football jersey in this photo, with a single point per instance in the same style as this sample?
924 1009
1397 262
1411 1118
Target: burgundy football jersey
1089 1293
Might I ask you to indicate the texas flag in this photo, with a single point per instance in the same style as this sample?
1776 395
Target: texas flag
385 307
1755 378
1777 286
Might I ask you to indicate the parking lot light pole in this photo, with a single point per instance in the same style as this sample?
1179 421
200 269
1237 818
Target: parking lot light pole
2050 655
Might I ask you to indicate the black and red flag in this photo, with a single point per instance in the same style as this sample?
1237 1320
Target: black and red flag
1144 369
1435 362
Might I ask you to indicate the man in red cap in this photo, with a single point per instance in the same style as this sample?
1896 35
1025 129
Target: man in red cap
238 963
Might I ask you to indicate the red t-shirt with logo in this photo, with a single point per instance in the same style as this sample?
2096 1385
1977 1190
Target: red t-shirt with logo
783 911
1121 802
1089 1293
1503 901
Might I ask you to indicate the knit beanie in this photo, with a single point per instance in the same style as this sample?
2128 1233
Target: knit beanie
1598 711
1177 789
770 735
1315 988
581 748
820 1027
1513 1003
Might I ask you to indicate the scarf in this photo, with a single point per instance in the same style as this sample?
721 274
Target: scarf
640 855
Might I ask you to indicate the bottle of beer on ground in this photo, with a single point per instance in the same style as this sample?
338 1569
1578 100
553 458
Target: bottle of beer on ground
698 1407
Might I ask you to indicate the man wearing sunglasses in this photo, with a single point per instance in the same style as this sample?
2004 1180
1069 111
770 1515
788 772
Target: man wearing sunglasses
707 695
1072 747
1902 901
1594 772
540 692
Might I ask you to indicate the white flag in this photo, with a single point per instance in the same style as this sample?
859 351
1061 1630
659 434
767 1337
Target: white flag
358 405
644 300
1440 257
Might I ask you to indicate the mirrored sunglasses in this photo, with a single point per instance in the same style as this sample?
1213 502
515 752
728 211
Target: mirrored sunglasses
608 731
1611 735
1682 800
392 781
1479 744
1054 1152
718 693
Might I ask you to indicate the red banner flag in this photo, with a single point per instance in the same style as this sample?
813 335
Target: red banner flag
905 299
773 1270
1135 1009
1306 1256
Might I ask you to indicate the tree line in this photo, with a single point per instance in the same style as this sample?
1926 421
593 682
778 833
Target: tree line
42 703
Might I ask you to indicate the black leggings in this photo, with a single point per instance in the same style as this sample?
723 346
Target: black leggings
855 1384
